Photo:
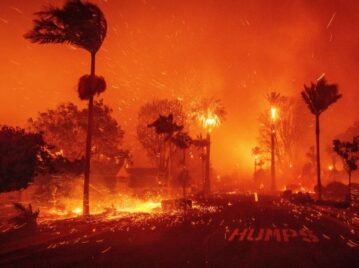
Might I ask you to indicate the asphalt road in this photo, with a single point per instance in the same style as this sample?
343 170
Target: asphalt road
227 231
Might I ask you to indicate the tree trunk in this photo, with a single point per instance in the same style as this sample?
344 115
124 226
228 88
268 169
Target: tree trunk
207 182
273 184
159 163
255 166
255 173
184 191
203 166
184 166
169 165
350 187
86 198
317 135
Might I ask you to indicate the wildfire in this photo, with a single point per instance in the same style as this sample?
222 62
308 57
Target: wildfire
208 112
111 207
209 121
147 206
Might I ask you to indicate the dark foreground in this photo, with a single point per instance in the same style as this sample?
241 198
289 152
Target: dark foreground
227 231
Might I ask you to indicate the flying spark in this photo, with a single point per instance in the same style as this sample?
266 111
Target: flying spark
331 20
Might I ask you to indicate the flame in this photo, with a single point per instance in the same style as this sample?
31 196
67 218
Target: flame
274 113
209 121
147 206
113 206
60 153
77 211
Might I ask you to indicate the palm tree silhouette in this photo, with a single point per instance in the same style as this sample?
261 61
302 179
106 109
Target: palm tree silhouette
318 98
165 127
273 98
82 25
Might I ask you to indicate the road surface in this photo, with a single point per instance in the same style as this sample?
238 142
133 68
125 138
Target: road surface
226 231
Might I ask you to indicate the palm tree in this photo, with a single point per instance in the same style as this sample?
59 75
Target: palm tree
166 127
274 99
318 98
81 24
210 113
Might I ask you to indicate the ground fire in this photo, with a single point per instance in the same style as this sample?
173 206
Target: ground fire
163 133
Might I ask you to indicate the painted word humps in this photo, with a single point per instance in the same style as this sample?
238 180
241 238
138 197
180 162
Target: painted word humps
269 234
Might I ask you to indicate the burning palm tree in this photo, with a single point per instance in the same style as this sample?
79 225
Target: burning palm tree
274 99
209 113
81 24
318 98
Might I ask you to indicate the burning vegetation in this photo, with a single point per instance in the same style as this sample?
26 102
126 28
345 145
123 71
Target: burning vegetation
158 172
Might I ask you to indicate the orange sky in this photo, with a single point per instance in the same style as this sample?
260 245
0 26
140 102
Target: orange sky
233 50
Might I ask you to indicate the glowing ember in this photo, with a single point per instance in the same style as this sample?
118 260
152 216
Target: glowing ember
255 197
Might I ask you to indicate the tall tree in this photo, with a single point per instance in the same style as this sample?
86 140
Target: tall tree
318 98
289 128
81 24
273 98
209 112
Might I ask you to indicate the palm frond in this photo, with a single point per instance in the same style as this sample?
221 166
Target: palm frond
273 98
77 23
320 96
182 140
208 106
88 86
